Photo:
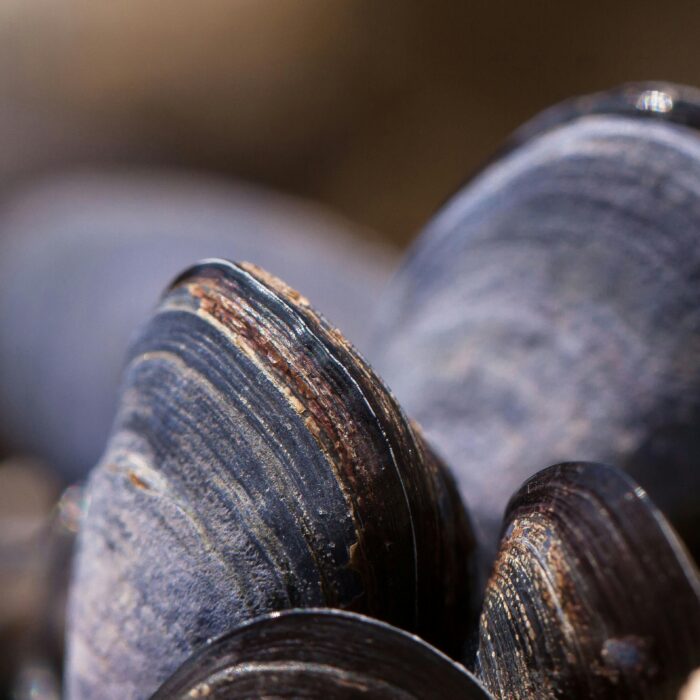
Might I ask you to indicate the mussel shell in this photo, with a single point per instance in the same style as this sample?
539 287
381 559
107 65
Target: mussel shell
256 464
663 101
85 254
320 654
592 594
550 312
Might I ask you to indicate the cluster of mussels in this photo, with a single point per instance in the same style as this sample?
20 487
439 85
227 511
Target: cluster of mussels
266 522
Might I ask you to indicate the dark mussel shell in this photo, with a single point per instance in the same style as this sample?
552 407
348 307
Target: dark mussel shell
320 654
550 312
592 594
256 464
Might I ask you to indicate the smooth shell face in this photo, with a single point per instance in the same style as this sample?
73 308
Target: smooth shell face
321 654
83 257
591 596
256 464
550 312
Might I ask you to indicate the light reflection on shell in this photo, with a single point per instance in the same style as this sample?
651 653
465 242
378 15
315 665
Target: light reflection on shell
592 594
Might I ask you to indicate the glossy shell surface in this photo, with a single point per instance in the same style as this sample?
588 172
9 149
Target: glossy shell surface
321 654
256 464
592 594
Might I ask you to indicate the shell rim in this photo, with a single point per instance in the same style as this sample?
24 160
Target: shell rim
665 530
330 613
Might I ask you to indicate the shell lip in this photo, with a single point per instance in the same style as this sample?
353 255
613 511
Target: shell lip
569 470
329 613
204 263
310 616
658 100
320 329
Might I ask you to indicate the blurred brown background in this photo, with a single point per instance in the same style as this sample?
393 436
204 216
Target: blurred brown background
379 108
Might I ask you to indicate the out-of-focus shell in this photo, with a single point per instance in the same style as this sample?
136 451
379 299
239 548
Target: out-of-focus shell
321 654
550 312
84 255
256 464
592 594
659 101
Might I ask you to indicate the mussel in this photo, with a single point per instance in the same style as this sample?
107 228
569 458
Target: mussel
256 463
84 254
550 311
320 654
592 594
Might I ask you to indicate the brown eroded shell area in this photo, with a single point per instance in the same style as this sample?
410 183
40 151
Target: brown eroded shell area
591 594
394 483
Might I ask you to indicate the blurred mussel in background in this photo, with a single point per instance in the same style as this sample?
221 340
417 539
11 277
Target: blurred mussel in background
549 311
83 258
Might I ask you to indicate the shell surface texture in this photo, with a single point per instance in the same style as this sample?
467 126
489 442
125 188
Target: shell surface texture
550 311
256 463
321 654
592 594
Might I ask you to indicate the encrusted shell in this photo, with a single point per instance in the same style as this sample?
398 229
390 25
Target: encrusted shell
592 594
550 312
256 463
